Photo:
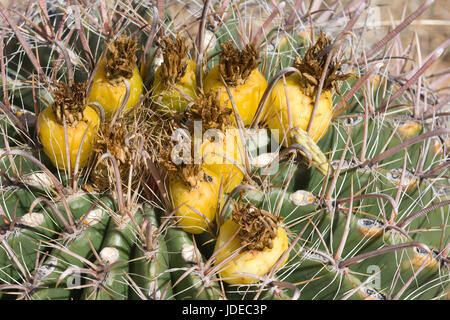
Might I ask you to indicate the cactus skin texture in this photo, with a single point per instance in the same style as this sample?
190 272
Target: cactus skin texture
347 197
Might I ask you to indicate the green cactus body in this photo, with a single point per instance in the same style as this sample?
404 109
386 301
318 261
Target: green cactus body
89 236
150 267
16 201
24 241
366 208
118 239
182 255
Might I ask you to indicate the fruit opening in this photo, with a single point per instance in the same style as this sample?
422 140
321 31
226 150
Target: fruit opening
69 102
175 58
258 227
208 109
311 67
235 65
120 59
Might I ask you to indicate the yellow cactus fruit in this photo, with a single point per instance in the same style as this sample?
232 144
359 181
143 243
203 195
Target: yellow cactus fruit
224 158
409 129
239 71
255 249
293 97
222 147
423 257
81 121
174 84
108 87
195 204
301 106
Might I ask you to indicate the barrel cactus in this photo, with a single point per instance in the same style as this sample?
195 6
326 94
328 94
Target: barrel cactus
254 150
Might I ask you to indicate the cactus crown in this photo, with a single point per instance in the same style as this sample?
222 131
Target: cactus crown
365 218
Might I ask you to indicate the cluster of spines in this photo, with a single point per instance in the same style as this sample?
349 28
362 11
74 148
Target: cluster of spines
385 204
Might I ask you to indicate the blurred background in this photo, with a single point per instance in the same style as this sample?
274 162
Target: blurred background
429 31
425 34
